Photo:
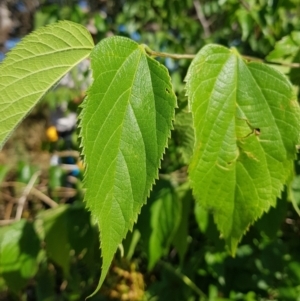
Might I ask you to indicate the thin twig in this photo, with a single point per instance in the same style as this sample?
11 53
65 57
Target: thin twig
255 59
290 65
8 210
192 56
252 59
25 193
205 24
68 153
39 194
44 198
170 55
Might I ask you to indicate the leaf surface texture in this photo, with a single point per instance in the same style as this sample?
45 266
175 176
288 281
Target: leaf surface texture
125 123
34 66
246 121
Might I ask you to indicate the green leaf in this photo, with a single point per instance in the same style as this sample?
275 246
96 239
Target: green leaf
164 217
286 49
246 121
269 224
180 240
246 22
4 169
202 218
185 134
125 123
34 66
52 224
19 248
45 284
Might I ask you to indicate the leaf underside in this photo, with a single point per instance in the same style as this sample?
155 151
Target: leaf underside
125 123
34 66
246 122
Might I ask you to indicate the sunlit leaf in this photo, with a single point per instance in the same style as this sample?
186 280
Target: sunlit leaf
125 123
246 121
34 66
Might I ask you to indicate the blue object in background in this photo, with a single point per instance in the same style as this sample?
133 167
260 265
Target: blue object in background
70 160
135 36
2 56
83 4
21 7
75 172
122 28
171 64
11 43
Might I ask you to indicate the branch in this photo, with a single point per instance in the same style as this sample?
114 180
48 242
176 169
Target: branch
44 198
153 53
40 195
176 56
205 24
68 153
25 193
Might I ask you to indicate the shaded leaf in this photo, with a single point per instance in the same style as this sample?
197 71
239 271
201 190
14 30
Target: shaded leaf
53 224
125 122
185 134
19 248
164 221
270 222
34 66
180 240
159 221
4 169
246 121
45 284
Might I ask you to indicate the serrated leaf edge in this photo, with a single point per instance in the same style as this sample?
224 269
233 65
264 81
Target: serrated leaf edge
83 156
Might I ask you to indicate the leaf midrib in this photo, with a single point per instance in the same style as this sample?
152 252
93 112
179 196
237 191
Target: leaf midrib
120 126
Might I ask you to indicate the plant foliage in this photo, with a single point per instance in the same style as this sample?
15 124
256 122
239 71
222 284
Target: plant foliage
35 66
246 121
125 123
239 140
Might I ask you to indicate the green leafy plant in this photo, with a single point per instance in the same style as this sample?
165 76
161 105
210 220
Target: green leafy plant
240 146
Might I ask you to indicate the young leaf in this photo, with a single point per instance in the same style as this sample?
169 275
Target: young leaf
125 123
246 121
286 49
34 66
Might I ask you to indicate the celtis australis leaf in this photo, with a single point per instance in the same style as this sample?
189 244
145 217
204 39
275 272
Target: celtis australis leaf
246 121
34 66
125 123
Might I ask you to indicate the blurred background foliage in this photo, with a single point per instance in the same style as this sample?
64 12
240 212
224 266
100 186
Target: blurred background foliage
49 247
